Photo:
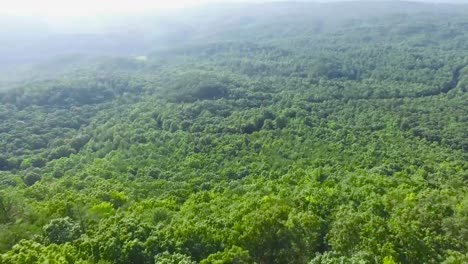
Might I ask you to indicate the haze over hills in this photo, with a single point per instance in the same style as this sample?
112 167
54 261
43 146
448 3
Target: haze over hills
30 41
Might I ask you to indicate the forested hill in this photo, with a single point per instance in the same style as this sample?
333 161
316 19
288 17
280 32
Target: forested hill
263 133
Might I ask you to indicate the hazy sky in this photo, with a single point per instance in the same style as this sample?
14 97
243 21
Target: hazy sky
90 8
60 8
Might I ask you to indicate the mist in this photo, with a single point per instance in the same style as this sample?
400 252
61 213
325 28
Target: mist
39 33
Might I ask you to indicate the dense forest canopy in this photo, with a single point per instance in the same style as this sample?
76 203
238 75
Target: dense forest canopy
249 133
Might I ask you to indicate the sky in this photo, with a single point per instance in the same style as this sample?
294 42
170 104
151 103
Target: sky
83 8
93 8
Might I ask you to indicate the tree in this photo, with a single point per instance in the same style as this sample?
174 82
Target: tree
176 258
31 178
61 230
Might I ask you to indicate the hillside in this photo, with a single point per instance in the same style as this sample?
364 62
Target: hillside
261 133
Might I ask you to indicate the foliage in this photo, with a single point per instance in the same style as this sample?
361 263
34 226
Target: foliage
284 135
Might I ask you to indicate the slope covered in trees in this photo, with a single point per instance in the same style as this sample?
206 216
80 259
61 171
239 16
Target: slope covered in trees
281 133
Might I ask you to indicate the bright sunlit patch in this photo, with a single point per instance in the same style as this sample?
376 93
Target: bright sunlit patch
78 8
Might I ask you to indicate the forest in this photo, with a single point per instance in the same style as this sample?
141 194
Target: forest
261 133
